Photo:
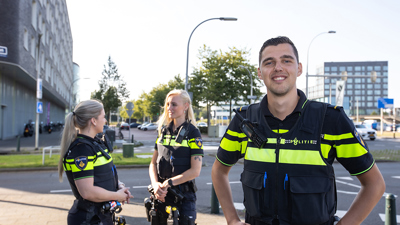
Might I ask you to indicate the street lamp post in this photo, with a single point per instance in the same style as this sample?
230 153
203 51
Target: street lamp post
187 56
251 83
37 95
71 91
308 51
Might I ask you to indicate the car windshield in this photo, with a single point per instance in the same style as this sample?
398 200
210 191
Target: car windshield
360 126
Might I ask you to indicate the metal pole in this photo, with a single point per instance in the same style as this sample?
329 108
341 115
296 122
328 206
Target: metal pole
390 210
308 51
187 54
214 201
37 99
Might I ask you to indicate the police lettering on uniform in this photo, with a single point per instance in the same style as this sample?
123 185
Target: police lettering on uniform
288 178
89 167
177 158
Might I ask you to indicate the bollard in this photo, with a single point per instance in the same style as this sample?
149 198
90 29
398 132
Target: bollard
390 211
18 143
132 141
214 201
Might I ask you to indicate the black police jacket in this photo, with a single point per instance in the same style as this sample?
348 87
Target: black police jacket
288 179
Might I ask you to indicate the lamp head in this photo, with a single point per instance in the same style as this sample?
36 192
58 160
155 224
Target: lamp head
332 32
228 18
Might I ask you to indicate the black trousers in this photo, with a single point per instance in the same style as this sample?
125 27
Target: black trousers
253 221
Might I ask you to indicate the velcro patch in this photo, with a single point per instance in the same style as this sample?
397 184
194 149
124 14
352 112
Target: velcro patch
359 138
199 142
81 162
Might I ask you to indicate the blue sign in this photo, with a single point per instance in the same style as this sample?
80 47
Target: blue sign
384 103
3 51
39 108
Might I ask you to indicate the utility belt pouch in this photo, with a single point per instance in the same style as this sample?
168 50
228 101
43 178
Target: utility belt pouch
192 185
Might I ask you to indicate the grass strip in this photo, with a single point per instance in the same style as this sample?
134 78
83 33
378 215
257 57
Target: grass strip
35 160
387 155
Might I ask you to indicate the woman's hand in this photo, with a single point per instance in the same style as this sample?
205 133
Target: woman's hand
123 194
160 192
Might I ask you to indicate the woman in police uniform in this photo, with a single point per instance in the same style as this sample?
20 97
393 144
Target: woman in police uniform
89 166
177 158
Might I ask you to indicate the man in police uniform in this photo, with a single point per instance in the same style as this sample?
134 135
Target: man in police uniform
289 179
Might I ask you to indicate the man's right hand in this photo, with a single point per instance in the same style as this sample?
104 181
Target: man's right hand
238 223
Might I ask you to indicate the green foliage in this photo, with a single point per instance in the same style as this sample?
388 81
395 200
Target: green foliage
112 88
374 113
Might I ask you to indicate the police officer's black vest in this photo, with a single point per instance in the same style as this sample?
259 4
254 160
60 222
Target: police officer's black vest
105 176
173 158
288 179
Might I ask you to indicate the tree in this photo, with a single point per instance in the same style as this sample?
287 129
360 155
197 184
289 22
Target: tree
112 88
220 79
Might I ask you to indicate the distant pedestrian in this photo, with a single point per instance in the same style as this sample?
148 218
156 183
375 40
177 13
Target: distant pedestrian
89 166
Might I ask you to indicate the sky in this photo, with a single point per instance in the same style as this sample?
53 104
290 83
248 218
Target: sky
148 39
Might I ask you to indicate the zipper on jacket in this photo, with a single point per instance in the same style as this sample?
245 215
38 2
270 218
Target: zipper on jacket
278 142
265 178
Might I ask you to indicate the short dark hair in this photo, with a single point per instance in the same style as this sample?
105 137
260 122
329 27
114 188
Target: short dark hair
276 41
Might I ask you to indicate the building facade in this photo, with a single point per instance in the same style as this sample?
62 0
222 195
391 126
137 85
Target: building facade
35 42
358 90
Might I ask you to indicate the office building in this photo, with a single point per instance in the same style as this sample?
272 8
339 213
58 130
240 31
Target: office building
362 90
35 41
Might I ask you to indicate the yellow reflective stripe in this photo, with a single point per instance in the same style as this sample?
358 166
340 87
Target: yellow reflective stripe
102 160
280 131
235 134
193 145
274 141
260 155
350 150
230 146
325 150
244 146
331 137
74 168
305 157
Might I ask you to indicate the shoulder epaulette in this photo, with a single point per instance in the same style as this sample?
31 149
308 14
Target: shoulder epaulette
335 107
242 109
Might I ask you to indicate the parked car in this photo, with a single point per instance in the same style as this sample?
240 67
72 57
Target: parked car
134 125
389 127
124 126
365 133
150 126
202 124
144 124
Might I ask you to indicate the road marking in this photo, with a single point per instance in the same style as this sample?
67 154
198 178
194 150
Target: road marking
340 213
140 186
347 192
396 177
354 185
345 178
59 191
238 206
232 182
383 217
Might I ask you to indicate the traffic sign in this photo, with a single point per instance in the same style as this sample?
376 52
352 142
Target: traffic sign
130 112
385 103
39 88
39 107
129 105
3 51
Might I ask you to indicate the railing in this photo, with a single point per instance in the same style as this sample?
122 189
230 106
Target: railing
50 148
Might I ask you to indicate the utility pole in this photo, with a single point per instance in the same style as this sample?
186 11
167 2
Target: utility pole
38 92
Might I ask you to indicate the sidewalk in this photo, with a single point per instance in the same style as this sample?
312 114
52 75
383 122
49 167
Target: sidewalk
19 207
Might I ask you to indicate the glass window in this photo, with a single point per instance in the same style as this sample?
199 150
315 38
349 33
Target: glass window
327 69
369 104
369 68
363 68
357 86
326 86
385 92
349 80
377 86
357 80
334 69
349 86
326 93
326 81
385 74
350 92
378 80
378 73
334 73
357 92
370 86
385 86
349 68
357 73
385 68
370 92
370 98
349 73
342 68
385 80
357 68
377 92
376 98
376 68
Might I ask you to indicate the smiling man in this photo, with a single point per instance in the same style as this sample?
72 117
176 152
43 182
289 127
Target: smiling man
289 178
